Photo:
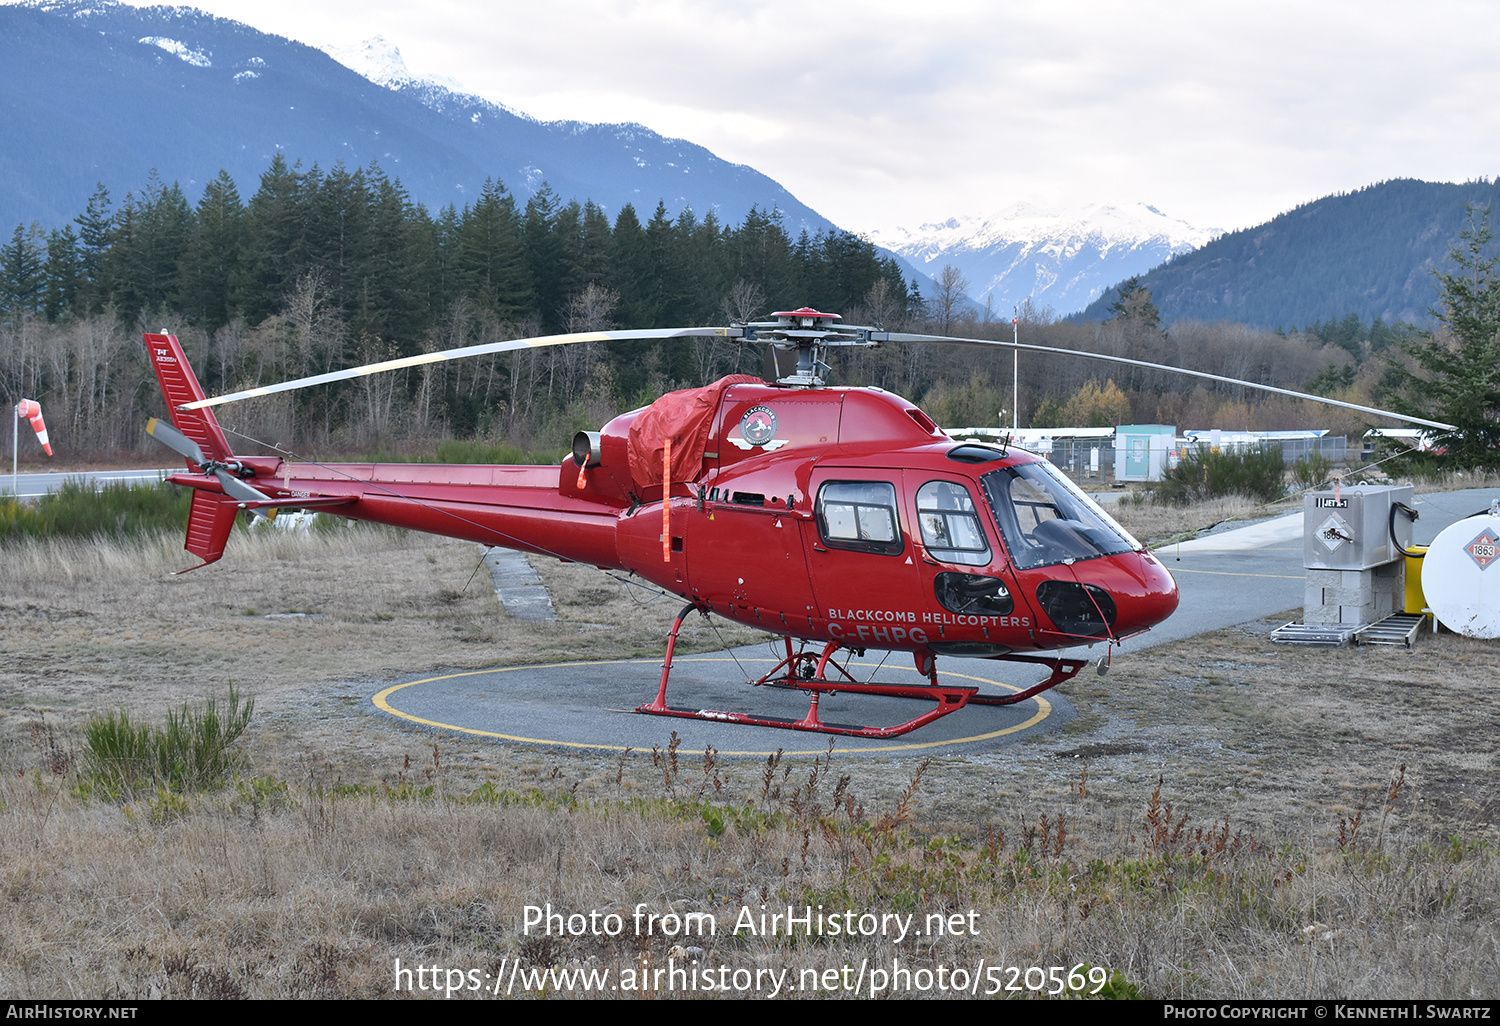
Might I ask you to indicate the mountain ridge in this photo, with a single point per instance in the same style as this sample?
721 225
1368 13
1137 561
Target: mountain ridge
1062 258
103 92
1368 252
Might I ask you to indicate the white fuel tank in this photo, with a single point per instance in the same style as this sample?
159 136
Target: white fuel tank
1461 577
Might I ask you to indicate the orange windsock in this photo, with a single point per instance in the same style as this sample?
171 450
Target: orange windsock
32 411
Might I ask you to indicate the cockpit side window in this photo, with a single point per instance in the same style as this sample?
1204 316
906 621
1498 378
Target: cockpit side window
950 524
859 515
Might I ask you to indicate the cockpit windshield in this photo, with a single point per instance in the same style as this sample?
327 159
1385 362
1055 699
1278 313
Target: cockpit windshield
1046 520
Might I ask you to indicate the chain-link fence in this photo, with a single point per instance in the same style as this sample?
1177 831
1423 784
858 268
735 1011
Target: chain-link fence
1092 460
1330 447
1084 459
1334 448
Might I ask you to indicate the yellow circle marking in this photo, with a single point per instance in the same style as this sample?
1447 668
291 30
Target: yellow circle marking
381 701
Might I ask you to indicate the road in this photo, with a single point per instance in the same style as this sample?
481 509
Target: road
32 486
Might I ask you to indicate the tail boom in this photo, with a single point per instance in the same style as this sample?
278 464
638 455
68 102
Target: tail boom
511 507
517 507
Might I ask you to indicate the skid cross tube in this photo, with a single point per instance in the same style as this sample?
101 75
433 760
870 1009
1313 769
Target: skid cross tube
809 672
1063 670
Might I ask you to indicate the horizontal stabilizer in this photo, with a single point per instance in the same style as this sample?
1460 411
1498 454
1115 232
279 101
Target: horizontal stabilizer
296 503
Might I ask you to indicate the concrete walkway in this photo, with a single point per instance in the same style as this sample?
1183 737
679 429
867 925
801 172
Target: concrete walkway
520 590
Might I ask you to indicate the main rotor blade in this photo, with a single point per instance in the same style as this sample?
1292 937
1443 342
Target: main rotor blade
175 440
893 336
467 351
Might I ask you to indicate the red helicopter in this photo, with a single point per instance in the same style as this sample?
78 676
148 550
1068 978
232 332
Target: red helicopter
842 517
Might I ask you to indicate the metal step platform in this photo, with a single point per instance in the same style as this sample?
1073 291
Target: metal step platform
1330 635
1396 629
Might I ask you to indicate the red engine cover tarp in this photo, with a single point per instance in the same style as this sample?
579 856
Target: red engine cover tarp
686 418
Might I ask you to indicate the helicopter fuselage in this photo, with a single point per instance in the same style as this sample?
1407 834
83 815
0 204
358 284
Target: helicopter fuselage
831 514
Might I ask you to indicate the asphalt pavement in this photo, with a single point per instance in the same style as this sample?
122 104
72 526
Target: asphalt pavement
32 486
1228 578
592 705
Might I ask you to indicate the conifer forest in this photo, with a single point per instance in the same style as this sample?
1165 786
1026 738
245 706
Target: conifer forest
325 269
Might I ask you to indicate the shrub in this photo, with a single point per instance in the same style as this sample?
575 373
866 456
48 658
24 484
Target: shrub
1204 474
1426 467
193 750
1312 470
76 510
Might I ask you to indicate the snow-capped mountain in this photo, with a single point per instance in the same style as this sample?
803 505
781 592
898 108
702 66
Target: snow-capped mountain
377 59
1062 259
380 61
1365 253
97 91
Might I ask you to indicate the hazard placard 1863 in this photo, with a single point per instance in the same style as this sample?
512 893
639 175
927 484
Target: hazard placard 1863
1483 550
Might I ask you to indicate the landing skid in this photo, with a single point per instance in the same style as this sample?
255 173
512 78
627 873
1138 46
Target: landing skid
822 674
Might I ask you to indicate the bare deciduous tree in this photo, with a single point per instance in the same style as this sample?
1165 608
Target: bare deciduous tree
593 309
316 328
947 301
744 301
378 390
881 305
1034 315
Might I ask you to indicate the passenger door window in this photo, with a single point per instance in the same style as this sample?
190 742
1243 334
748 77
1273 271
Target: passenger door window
860 516
950 524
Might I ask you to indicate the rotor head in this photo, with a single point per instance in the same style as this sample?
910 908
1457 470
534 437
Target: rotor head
809 333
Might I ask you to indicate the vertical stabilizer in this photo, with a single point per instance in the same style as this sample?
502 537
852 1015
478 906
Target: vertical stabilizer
208 527
212 515
179 385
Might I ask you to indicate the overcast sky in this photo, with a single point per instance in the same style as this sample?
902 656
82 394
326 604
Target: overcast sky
879 114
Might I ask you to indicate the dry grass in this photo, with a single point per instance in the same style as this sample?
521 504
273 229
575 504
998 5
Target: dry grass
301 622
303 891
1299 870
1453 481
1153 522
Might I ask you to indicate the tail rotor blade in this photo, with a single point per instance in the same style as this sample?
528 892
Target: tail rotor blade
175 440
237 489
184 446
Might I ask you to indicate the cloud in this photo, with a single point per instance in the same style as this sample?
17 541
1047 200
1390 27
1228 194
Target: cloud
885 113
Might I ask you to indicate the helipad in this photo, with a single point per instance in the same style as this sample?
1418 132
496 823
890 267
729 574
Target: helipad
591 705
